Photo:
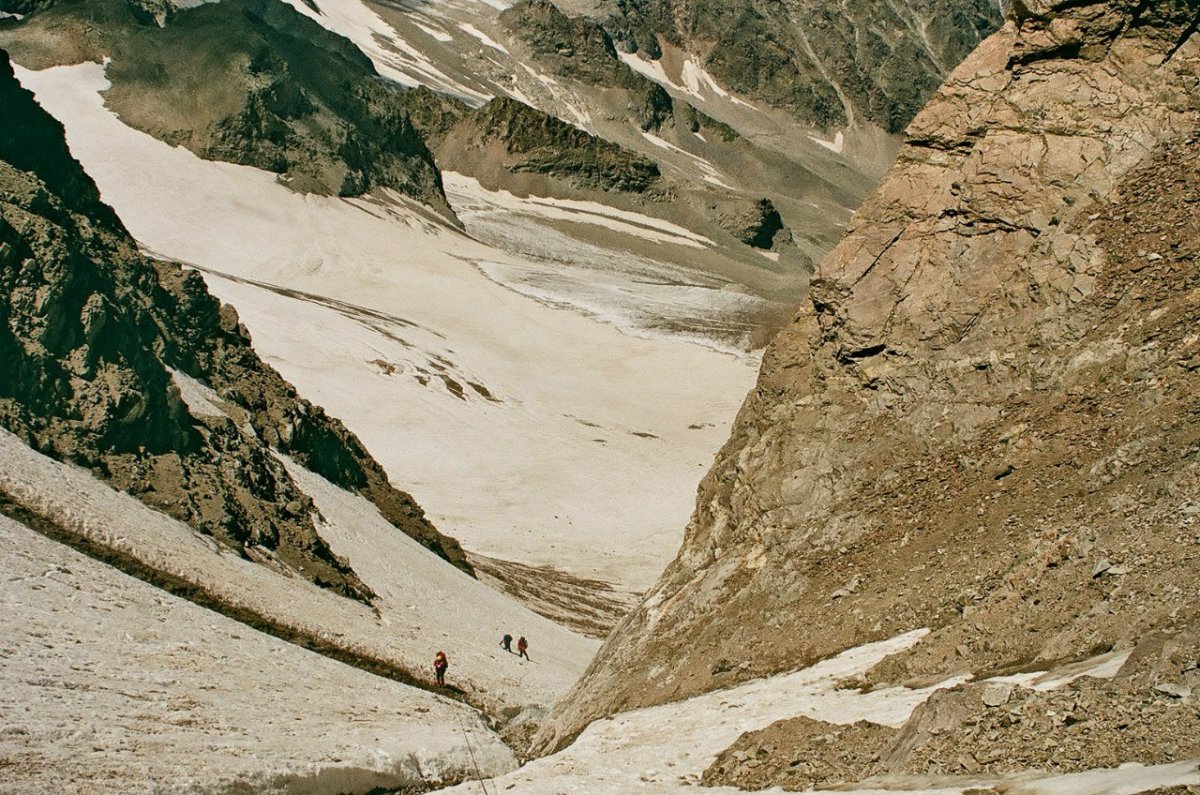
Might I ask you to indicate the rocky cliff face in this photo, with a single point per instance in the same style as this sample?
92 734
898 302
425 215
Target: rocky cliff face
246 81
580 49
984 421
830 63
534 142
100 347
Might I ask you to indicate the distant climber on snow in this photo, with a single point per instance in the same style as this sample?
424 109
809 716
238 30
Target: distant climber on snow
506 642
440 664
523 648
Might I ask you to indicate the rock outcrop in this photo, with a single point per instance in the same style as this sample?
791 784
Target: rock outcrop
132 369
984 421
252 82
1146 712
829 63
579 48
525 140
754 223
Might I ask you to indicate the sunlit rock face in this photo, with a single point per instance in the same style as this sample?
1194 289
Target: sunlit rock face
990 391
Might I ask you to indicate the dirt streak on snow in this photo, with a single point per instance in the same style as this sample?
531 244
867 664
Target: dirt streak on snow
468 190
111 685
589 455
425 604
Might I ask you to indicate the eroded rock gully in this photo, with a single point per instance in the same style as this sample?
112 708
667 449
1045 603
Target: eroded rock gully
991 393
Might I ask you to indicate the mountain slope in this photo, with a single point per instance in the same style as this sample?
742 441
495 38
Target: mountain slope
244 81
831 64
111 685
984 419
98 343
522 427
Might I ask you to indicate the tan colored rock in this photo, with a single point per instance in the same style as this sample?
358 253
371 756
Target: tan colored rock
982 390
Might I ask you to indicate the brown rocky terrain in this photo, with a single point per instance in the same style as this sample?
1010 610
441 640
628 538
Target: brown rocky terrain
588 606
1145 714
984 421
829 63
97 342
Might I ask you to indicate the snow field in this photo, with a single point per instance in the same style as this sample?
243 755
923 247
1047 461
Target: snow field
467 192
588 456
636 294
109 684
425 605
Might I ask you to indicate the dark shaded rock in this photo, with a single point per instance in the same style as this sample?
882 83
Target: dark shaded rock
542 144
574 47
754 223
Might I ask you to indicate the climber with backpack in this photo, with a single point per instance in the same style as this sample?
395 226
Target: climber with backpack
440 664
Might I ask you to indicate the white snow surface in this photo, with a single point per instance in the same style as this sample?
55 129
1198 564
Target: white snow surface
588 454
466 189
201 401
561 266
434 32
837 145
694 80
109 685
710 172
424 604
483 37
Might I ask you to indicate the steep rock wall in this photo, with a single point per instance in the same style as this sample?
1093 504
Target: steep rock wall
829 62
988 399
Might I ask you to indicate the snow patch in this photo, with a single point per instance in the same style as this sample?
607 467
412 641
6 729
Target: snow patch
200 399
665 749
435 33
836 145
711 174
696 83
1104 666
483 37
392 55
